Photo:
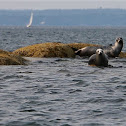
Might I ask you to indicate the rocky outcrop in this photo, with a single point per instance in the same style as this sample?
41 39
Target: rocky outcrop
52 49
7 58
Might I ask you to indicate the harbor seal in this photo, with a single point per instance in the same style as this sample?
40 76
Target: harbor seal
87 51
98 59
114 51
111 50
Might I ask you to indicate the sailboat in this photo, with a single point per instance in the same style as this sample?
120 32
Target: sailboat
30 21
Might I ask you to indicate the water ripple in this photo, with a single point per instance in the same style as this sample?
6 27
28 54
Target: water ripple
62 91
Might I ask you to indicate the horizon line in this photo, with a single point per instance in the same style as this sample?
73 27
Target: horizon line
69 9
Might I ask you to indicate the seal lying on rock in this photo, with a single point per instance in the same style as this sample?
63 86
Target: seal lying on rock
114 51
111 51
98 59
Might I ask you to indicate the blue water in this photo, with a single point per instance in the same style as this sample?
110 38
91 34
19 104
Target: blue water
62 91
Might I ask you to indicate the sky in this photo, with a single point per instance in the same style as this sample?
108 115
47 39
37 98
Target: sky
61 4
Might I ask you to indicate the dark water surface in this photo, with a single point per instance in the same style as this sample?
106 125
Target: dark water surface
62 91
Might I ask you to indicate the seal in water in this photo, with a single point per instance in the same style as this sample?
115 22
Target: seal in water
98 59
111 50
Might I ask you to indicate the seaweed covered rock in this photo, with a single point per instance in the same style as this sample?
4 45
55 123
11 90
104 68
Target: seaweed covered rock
122 55
80 45
50 49
7 58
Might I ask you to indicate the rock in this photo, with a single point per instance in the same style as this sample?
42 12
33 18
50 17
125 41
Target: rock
122 55
50 49
80 45
7 58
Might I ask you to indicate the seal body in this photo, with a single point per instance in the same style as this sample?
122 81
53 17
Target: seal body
114 51
87 51
98 59
111 50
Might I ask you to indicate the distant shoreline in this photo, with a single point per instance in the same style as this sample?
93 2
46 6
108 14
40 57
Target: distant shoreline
65 17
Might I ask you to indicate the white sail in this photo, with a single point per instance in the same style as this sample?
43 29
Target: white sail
31 19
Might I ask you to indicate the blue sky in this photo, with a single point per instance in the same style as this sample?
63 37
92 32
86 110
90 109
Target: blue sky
61 4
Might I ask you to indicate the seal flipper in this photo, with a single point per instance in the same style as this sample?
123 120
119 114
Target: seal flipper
92 59
77 52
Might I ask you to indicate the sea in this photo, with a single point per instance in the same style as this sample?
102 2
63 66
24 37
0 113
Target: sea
62 91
